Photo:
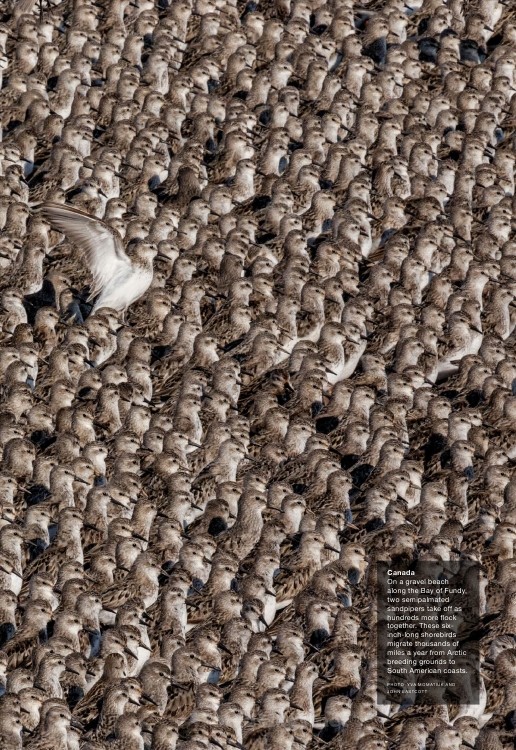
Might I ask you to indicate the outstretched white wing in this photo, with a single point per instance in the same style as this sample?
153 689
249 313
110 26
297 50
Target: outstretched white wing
101 244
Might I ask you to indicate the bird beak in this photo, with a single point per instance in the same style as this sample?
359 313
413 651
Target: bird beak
148 698
177 685
117 502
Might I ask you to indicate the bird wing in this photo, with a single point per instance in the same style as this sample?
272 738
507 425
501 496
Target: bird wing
101 244
24 6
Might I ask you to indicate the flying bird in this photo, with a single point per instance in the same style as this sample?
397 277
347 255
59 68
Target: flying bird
118 279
